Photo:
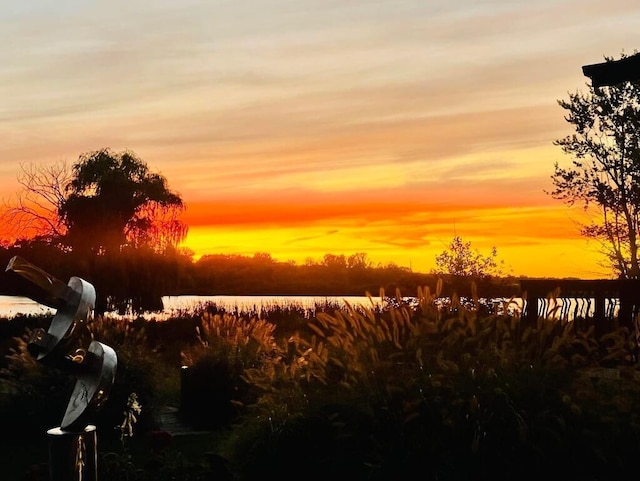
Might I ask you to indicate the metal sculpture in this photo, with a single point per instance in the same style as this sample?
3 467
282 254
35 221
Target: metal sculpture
68 345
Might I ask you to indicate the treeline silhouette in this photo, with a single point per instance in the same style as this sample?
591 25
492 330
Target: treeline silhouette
135 280
115 223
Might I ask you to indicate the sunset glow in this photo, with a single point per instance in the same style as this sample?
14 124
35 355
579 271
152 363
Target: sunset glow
312 127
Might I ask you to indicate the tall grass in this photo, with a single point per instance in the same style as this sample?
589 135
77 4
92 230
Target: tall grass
449 391
442 391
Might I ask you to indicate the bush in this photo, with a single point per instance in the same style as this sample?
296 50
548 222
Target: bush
140 370
443 392
34 396
213 390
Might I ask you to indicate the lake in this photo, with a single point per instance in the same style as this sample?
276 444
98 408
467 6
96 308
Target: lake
10 306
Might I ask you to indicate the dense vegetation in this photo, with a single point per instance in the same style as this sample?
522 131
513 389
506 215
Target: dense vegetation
429 390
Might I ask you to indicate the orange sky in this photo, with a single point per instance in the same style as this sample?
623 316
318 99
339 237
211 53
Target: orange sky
307 127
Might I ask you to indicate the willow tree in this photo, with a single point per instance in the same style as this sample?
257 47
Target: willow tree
114 200
104 202
604 174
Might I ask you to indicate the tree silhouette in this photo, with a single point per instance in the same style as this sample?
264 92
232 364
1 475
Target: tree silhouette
114 201
33 213
110 218
460 260
106 201
605 172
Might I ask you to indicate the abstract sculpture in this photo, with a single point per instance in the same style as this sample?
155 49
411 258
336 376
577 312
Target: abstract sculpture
67 345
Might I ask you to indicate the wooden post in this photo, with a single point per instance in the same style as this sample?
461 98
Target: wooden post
533 304
599 319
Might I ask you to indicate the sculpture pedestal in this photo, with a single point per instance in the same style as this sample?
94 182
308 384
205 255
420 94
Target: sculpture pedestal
73 455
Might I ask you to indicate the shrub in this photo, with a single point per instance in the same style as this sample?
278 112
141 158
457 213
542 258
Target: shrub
140 370
213 389
444 392
34 397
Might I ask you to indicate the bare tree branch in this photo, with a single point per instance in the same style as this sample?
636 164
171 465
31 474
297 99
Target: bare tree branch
33 212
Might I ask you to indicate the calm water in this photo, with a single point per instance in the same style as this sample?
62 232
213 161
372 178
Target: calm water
11 306
175 304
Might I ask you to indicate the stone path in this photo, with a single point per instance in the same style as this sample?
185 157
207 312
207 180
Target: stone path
169 421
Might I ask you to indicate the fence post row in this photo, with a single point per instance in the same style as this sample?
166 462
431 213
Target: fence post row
625 291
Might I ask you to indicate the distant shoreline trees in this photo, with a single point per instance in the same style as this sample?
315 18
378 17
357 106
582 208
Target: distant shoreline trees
141 277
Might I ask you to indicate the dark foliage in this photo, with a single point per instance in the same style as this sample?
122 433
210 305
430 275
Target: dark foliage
133 281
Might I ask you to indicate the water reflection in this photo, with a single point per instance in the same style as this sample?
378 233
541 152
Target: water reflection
11 306
174 306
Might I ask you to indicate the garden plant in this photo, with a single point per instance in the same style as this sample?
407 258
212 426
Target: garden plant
439 391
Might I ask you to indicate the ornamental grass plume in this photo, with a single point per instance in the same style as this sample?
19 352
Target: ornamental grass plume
442 389
238 341
213 389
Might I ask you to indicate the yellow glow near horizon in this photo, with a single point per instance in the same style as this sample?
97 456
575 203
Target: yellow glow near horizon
525 253
552 259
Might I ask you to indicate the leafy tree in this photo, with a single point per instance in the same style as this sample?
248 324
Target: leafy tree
113 221
108 200
359 260
604 175
334 261
461 260
114 200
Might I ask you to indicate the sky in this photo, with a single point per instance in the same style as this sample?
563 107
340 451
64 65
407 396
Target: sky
301 128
